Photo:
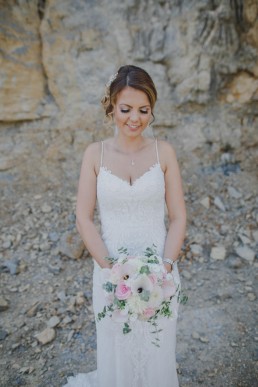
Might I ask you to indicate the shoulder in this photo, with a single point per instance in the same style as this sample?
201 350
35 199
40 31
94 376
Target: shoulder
167 152
92 148
91 156
93 151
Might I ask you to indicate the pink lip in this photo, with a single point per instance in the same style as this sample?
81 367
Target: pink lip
133 129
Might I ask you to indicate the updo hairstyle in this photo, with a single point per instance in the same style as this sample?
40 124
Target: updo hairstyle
132 76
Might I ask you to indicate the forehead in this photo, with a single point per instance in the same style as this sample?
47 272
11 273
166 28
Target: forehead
132 97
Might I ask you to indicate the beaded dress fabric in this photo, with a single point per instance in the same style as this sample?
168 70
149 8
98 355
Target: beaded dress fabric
132 216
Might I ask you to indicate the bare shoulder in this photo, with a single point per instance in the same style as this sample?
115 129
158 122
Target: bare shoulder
167 152
92 151
91 157
166 146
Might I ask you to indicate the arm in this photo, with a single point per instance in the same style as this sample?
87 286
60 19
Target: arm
175 204
86 202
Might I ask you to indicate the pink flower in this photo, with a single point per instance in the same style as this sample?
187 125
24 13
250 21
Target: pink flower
148 312
169 288
116 269
153 278
123 292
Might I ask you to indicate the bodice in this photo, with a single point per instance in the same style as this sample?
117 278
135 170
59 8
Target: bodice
132 216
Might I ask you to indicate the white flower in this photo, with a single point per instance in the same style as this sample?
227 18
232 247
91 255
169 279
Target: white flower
136 305
155 268
156 297
140 284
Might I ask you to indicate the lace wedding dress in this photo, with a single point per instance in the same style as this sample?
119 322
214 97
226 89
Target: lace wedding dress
132 216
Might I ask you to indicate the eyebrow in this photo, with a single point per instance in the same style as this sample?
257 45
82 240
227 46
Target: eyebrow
125 104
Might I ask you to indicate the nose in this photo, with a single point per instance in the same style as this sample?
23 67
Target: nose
134 116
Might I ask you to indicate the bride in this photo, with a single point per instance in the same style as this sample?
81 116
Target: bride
132 177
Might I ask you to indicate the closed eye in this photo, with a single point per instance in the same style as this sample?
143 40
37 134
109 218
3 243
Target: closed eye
127 111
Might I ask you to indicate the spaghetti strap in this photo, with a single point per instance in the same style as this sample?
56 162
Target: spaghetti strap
102 152
157 152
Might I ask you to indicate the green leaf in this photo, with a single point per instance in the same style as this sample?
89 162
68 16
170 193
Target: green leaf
145 295
109 287
145 270
126 328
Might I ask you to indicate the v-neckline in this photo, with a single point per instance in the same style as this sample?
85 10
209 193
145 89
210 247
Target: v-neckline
102 168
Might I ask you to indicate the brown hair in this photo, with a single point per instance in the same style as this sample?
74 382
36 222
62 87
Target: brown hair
132 76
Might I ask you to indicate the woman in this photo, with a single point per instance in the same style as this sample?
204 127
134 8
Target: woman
132 176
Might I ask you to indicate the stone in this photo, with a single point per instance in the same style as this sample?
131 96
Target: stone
186 274
234 193
46 336
205 202
67 320
80 299
246 253
3 334
6 245
196 250
204 339
54 236
62 296
71 245
218 253
46 208
53 322
32 311
251 296
195 335
244 239
70 335
218 203
4 305
255 235
242 88
234 262
11 265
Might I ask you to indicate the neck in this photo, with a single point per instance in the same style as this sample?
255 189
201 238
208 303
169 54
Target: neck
128 144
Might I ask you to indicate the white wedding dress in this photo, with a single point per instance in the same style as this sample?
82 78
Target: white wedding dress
132 216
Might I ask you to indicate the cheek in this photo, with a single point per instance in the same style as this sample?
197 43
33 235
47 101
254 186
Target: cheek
118 116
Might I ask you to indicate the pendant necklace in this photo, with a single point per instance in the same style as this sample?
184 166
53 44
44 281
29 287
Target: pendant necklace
132 162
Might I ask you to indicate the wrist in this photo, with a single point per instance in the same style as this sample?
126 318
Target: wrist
168 267
168 261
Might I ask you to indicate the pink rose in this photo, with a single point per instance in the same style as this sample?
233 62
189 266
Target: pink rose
153 278
148 312
122 291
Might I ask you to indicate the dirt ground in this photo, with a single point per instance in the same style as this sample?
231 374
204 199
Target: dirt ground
41 286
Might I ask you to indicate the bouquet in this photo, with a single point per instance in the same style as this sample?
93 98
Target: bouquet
138 287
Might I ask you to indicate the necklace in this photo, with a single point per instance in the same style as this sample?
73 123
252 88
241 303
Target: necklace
129 154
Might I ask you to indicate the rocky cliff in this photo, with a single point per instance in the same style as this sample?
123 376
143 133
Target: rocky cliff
56 56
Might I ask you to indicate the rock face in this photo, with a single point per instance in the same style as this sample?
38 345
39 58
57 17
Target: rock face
23 83
57 55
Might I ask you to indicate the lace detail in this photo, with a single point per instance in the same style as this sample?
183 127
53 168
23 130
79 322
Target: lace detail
137 179
124 209
132 216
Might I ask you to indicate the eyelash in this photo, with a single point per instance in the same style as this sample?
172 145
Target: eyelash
127 111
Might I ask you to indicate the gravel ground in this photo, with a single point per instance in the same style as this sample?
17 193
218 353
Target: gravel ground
47 329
